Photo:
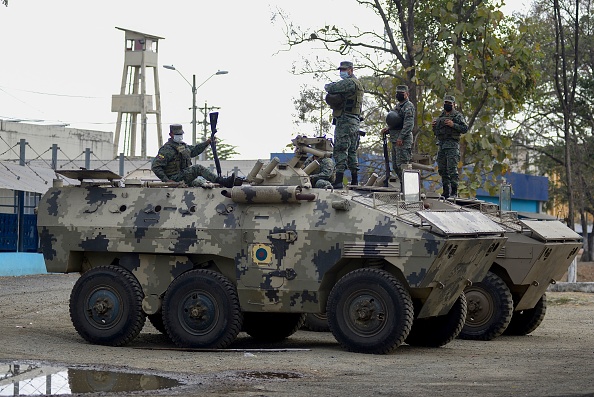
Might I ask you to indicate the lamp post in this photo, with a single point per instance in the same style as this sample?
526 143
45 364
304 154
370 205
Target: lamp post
194 90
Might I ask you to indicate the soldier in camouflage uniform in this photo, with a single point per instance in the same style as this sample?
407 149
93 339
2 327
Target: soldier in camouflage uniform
174 162
402 138
346 117
447 128
326 174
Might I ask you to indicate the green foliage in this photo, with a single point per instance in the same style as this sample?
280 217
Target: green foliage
463 47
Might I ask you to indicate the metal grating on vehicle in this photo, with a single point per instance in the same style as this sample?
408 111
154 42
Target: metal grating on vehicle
390 203
362 249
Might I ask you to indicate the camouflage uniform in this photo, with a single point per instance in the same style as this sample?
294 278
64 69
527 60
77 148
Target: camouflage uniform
448 147
346 120
174 162
403 154
326 173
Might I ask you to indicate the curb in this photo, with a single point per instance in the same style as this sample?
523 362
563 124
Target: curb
572 287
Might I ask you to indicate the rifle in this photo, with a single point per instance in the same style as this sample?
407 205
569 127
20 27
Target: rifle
387 160
214 117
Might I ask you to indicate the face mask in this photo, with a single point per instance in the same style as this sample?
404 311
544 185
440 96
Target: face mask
400 97
344 74
448 107
178 138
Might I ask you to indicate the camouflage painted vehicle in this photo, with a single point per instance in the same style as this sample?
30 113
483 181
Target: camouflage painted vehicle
205 264
511 299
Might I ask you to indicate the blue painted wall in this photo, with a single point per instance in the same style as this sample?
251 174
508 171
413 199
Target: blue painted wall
21 264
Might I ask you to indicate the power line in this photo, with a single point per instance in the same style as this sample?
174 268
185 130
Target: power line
50 94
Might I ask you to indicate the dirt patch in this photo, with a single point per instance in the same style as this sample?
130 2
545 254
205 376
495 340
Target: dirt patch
557 359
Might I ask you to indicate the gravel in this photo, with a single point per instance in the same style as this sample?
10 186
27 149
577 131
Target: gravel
557 359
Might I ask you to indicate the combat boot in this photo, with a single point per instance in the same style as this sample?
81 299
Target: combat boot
446 191
338 181
354 178
227 181
454 191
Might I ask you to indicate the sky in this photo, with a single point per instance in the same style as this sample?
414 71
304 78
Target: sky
62 62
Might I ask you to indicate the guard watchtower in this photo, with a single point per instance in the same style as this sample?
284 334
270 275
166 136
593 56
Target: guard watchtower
141 52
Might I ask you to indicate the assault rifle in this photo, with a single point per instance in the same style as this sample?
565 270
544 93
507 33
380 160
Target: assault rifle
214 117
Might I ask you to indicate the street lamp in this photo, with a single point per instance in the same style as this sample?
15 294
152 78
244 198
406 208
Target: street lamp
194 89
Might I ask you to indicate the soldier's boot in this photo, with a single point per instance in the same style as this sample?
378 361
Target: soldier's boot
454 192
338 181
226 181
354 178
446 191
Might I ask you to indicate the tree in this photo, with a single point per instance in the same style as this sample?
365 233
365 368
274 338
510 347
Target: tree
465 48
225 151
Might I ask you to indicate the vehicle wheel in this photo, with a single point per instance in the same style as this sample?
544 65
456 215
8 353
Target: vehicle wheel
369 311
317 322
440 330
157 321
272 327
201 309
490 308
526 321
106 306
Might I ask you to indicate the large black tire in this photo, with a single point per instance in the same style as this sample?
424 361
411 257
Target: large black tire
440 330
106 306
525 321
317 322
490 308
370 311
201 310
272 327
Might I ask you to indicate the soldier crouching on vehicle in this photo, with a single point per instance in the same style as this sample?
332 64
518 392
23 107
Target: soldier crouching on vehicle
174 162
326 174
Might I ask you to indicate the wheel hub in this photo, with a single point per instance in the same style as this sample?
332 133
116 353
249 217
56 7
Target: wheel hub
102 306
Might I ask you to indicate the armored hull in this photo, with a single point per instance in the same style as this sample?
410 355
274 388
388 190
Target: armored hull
203 264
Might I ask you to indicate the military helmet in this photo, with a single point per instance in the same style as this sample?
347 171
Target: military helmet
176 129
449 98
394 120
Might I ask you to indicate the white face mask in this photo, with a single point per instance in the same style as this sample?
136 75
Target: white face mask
178 138
344 74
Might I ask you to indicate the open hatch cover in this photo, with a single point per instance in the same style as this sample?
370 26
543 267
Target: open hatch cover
460 223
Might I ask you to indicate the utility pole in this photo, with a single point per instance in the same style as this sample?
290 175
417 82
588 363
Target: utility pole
205 111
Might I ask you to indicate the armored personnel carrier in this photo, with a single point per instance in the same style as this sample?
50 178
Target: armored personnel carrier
511 299
205 264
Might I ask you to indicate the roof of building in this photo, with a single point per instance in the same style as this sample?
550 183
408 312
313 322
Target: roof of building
25 178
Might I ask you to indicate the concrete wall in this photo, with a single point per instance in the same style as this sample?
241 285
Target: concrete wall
71 141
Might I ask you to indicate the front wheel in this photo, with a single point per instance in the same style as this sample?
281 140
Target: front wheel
525 321
370 311
201 309
106 306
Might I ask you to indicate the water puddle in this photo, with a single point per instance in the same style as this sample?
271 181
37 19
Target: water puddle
35 380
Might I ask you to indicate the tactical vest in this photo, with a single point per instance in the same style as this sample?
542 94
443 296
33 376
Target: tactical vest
353 102
444 132
181 161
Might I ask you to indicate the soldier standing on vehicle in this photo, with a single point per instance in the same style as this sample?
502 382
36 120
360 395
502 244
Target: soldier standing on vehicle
447 128
400 127
174 162
345 97
325 175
